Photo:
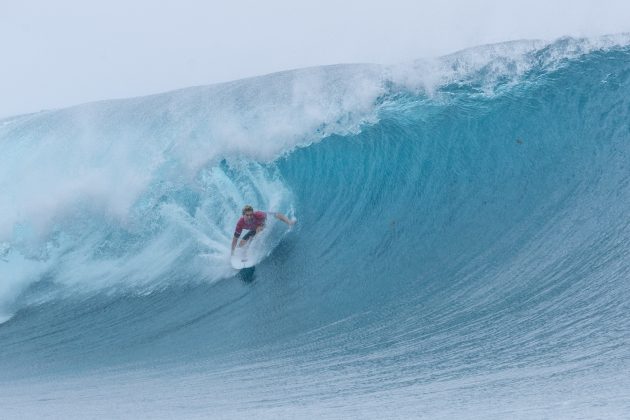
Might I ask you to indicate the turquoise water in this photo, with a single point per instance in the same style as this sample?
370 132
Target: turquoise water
461 251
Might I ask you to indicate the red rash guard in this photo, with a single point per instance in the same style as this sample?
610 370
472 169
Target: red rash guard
256 221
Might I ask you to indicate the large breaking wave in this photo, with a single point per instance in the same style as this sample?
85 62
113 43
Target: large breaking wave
462 228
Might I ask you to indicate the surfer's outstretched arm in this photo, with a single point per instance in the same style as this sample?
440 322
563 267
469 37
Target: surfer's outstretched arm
284 218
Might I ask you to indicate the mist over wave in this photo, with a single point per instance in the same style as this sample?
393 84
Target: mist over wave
462 231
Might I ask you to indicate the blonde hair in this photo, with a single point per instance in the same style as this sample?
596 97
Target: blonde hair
247 208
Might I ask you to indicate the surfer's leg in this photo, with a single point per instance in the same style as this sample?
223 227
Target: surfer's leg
248 236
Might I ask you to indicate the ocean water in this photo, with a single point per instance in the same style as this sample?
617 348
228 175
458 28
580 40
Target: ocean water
462 247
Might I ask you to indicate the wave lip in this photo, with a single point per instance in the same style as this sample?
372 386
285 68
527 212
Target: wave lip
492 67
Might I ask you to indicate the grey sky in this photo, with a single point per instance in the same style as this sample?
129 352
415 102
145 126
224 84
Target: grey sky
64 52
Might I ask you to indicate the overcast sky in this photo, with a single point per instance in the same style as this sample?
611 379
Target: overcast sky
64 52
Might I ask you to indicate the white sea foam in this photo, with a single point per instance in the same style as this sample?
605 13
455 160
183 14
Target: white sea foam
487 65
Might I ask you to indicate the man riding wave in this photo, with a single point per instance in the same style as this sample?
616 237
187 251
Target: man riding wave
254 222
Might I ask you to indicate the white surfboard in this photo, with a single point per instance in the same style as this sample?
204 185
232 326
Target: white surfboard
240 259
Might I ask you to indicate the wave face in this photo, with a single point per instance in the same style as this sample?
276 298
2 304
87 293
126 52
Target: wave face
462 247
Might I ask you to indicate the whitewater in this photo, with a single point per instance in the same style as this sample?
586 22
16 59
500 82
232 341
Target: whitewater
462 250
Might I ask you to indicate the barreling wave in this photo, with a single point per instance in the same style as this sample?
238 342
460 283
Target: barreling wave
459 218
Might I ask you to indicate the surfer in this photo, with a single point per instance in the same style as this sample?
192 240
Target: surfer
254 222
